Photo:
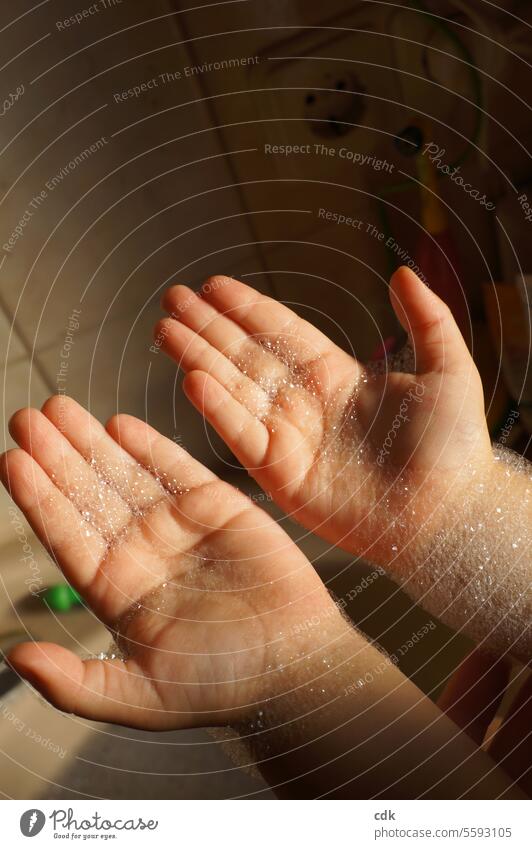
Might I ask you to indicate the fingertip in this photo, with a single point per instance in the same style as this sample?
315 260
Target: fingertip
119 422
410 294
5 463
20 421
398 280
27 657
6 458
244 433
46 666
438 343
166 298
52 403
20 659
216 282
175 296
406 289
14 463
162 328
58 408
405 276
112 425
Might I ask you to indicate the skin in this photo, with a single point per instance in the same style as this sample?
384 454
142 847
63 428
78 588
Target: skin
472 699
235 581
394 467
132 519
338 493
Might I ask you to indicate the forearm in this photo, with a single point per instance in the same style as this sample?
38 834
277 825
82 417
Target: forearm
474 571
354 727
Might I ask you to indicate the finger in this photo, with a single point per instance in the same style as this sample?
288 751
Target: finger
511 745
78 548
474 693
264 317
247 437
103 690
135 485
96 501
73 543
205 503
438 344
186 306
176 470
227 337
192 352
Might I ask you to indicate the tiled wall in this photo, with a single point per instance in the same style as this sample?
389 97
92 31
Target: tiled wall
154 204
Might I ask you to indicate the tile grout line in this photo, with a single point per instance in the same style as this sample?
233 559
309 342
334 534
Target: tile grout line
30 354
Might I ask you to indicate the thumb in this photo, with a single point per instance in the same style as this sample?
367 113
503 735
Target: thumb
438 344
105 690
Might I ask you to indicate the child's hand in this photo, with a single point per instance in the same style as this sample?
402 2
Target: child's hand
234 626
360 458
203 588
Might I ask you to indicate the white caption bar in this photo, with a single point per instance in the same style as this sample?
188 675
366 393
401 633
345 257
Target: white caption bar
266 824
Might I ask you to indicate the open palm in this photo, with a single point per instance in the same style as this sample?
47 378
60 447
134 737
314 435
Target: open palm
199 586
348 450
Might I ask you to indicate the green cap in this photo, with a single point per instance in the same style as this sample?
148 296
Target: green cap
61 597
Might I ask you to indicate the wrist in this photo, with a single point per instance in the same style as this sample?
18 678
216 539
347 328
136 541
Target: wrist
318 664
469 565
428 505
